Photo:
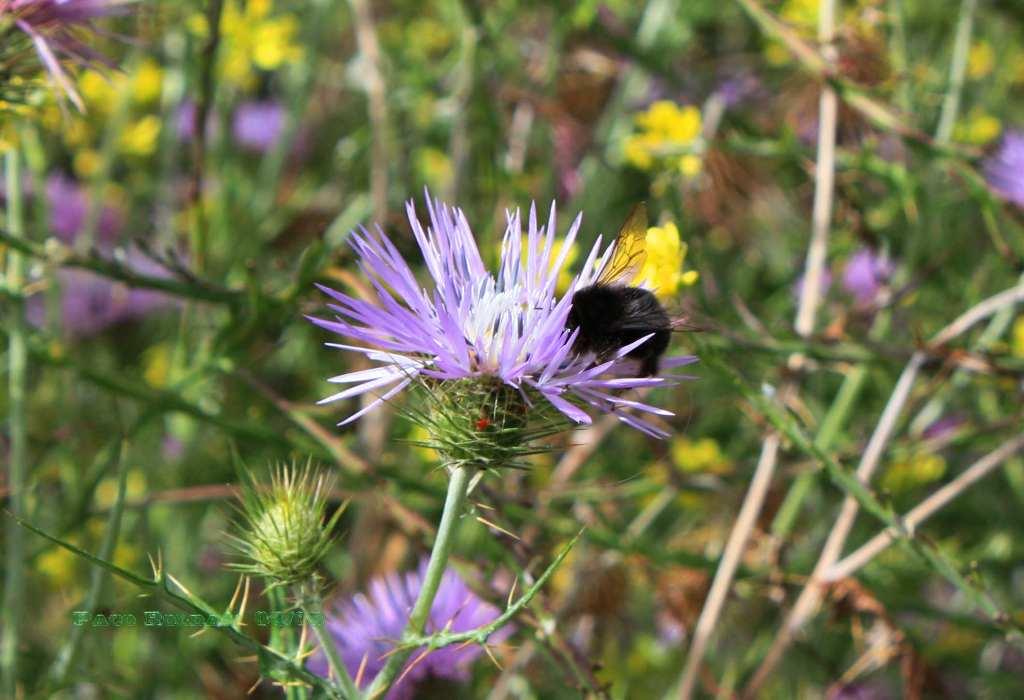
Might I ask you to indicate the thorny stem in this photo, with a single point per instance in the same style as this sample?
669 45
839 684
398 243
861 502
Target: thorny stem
810 298
14 580
458 483
312 612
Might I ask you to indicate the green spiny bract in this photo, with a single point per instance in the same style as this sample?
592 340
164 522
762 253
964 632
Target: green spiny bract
285 533
482 422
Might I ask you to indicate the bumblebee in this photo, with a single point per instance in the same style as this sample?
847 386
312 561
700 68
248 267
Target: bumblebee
611 313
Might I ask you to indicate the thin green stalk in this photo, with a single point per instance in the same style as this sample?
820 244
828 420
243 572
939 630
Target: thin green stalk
282 638
66 658
957 70
17 356
312 611
457 485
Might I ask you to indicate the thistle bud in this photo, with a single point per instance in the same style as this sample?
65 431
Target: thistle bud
285 533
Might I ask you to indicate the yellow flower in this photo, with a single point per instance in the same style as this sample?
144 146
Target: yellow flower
916 469
273 45
702 455
666 255
147 82
980 60
1017 341
665 119
638 153
978 128
665 126
690 165
96 89
252 38
140 138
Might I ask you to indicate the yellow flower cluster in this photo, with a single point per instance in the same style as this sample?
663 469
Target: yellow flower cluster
125 100
662 131
252 38
666 255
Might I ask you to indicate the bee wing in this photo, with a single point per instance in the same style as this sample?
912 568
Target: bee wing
630 252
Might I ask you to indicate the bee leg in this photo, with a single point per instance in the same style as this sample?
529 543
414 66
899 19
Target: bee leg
649 366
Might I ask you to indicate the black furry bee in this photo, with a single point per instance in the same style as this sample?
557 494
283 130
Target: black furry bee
611 313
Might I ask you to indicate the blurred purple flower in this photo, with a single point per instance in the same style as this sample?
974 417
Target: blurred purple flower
68 204
1004 169
185 121
943 427
368 627
473 324
737 89
258 125
865 273
89 303
56 29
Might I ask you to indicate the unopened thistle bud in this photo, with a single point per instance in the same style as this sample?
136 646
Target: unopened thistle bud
285 532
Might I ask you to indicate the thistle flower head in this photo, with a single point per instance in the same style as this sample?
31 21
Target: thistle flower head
472 327
58 30
285 534
366 627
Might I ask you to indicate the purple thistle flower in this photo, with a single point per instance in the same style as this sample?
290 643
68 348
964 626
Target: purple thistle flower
367 627
865 273
473 324
68 205
55 28
89 303
1004 169
258 125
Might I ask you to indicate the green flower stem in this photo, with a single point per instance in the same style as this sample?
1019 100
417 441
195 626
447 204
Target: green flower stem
283 639
312 610
457 485
17 355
